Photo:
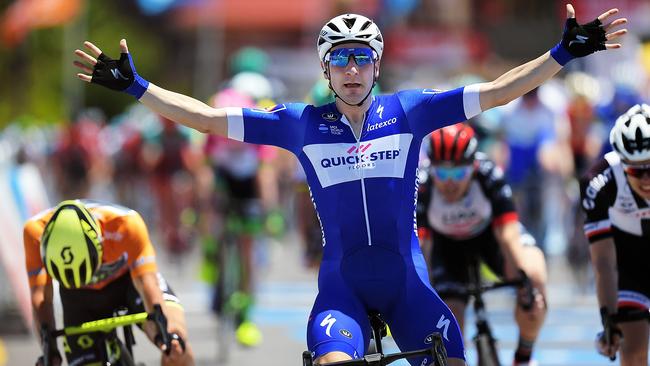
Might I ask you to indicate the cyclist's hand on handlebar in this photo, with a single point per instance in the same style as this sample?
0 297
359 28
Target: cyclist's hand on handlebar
608 349
526 294
177 349
608 341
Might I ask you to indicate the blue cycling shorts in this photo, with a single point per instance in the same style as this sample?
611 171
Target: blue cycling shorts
378 279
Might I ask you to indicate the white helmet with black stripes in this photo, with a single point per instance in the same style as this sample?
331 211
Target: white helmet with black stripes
630 136
348 28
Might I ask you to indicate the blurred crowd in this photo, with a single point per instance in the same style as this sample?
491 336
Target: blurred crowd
178 178
544 141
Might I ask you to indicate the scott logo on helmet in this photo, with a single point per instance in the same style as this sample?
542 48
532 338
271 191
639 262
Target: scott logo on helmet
66 255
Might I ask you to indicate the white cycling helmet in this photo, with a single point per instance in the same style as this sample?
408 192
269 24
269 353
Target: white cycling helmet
630 136
349 28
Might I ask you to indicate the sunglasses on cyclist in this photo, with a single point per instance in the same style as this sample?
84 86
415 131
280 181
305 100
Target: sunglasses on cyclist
456 173
637 171
341 56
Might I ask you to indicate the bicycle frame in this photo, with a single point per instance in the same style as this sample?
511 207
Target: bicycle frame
486 343
437 350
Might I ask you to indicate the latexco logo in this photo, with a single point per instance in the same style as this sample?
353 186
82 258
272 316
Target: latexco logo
379 125
357 158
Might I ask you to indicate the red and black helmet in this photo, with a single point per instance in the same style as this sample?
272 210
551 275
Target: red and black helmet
455 144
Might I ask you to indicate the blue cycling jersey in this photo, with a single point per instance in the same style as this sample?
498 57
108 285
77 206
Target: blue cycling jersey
364 190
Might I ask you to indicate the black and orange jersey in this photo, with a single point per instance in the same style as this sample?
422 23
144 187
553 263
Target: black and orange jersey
125 241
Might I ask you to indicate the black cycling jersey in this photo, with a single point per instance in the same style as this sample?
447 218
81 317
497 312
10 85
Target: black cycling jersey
488 201
84 305
462 230
615 211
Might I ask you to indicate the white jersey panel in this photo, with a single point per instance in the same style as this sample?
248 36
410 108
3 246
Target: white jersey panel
384 157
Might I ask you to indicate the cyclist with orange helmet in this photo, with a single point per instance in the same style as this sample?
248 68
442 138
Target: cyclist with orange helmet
102 258
467 208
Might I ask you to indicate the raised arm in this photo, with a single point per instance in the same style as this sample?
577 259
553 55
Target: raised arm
121 75
577 41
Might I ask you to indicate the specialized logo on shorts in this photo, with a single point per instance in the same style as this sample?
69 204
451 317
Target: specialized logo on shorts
345 162
346 333
330 116
328 322
443 323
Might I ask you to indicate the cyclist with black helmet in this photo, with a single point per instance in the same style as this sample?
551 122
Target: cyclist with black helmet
466 207
102 258
360 156
616 199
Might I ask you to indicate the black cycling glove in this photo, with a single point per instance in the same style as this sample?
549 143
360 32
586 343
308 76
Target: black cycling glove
579 40
119 75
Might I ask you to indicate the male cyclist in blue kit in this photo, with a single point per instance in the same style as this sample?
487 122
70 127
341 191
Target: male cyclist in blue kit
360 155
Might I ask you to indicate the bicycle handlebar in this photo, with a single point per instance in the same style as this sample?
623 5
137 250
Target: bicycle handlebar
107 325
522 282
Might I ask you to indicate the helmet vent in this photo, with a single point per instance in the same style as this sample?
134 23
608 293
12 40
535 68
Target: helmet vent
335 38
69 275
82 270
349 22
366 25
334 27
55 272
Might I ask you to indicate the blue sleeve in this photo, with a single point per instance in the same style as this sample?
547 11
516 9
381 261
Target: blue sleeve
428 109
283 125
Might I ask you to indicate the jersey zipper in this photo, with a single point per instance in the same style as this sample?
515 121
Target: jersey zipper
362 173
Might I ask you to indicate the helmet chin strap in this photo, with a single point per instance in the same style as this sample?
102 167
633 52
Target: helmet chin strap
336 95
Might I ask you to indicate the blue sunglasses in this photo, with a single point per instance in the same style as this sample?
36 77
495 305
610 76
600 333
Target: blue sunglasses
456 173
341 56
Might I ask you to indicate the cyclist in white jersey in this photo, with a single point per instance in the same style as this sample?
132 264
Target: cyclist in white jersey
616 198
360 156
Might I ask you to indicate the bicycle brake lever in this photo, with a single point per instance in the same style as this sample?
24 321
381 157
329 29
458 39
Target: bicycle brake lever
163 337
527 304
